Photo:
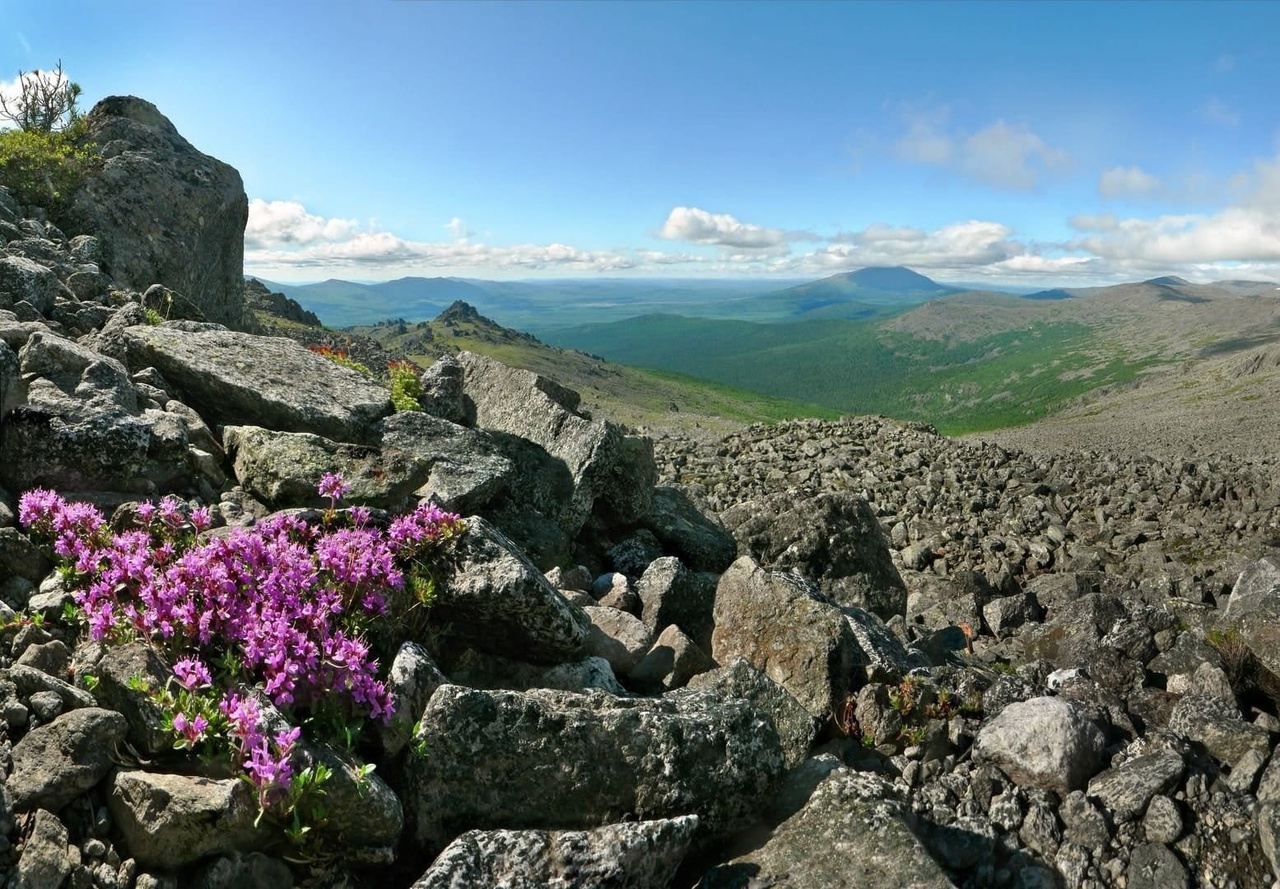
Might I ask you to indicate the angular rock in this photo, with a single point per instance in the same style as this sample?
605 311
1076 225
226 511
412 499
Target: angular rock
672 594
55 763
1127 789
237 379
618 637
673 660
116 668
466 468
779 623
442 390
559 760
169 821
699 541
412 679
638 855
44 863
1043 742
834 540
601 463
1218 725
1254 612
1155 866
499 601
23 280
853 832
796 727
361 810
163 212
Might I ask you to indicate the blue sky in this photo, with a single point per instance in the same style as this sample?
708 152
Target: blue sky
1037 143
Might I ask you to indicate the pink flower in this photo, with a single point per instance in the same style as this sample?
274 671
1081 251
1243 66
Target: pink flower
333 486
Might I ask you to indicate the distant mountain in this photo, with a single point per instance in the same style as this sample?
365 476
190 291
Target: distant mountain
859 294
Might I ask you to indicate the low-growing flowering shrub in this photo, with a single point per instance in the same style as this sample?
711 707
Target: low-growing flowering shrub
406 385
282 608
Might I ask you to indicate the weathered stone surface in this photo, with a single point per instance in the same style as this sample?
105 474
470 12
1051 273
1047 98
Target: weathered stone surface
1155 866
412 679
1128 788
673 660
235 378
499 601
24 280
163 212
361 810
466 468
672 594
55 763
44 863
599 461
852 833
284 469
30 681
559 760
1253 611
237 870
832 539
700 541
1043 742
778 622
116 667
1218 725
618 637
638 855
796 727
442 390
169 821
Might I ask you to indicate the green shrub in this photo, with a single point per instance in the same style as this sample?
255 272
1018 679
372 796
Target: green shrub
44 168
406 386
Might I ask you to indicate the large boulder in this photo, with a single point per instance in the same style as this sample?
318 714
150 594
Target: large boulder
806 643
238 379
163 212
833 539
1043 742
576 461
853 832
563 760
640 855
699 540
498 601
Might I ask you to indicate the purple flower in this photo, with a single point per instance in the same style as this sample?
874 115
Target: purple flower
192 673
189 729
333 486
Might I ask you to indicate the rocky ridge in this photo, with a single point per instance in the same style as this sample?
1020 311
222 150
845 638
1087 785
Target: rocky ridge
812 654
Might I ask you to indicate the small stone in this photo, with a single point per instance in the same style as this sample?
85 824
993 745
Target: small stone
1163 821
46 705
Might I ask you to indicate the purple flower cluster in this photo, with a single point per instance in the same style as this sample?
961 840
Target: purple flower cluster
287 600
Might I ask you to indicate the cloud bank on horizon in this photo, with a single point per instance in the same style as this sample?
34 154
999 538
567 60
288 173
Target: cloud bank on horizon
1016 144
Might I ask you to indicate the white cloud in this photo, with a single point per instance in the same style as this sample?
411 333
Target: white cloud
1001 154
960 245
1128 182
1235 234
459 229
696 226
11 91
278 223
1217 112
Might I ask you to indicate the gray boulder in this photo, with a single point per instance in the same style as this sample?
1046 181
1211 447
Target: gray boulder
638 855
560 760
1127 789
853 833
169 821
466 469
1218 726
22 280
600 462
497 600
55 763
672 594
618 637
834 540
796 727
1043 742
163 212
235 378
701 542
673 660
412 679
44 863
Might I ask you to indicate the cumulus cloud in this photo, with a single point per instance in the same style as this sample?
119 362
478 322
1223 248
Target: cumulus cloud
11 91
697 226
1235 234
1128 182
960 245
1002 154
278 223
282 236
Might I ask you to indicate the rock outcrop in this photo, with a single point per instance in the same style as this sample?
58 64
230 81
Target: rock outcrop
163 212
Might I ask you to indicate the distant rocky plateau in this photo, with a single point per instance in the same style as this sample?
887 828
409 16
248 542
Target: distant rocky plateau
848 653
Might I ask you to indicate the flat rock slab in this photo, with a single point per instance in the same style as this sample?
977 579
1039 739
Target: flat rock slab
638 855
562 760
238 379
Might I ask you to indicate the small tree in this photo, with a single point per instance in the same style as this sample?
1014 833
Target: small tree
46 102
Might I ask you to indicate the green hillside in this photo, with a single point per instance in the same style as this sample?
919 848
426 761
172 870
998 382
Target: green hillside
959 383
